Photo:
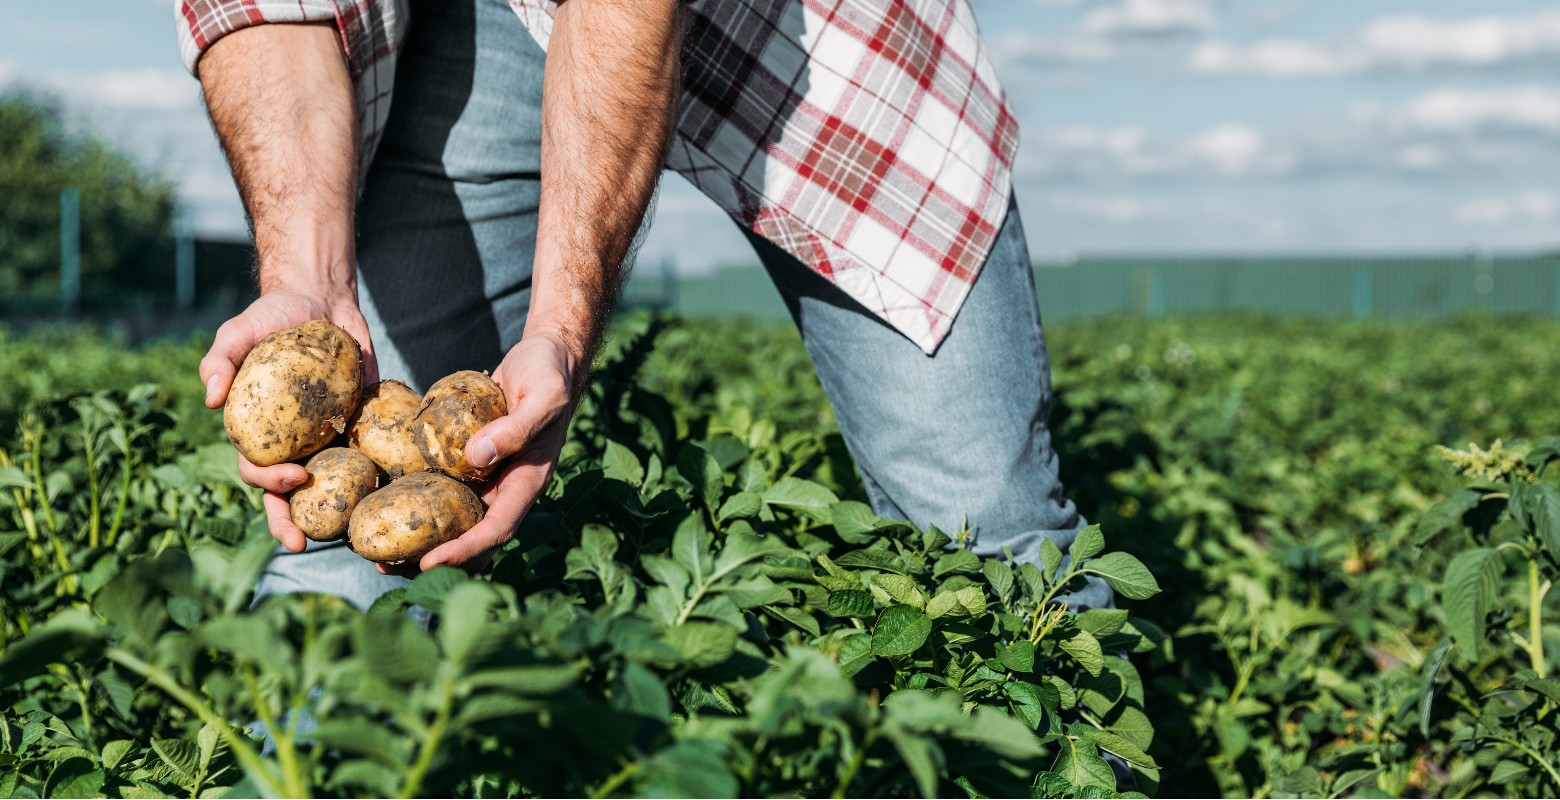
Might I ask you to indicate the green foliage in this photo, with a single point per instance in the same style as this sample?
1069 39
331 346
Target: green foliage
705 605
125 212
689 611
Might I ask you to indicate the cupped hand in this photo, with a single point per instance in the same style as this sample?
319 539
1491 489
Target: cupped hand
277 310
538 379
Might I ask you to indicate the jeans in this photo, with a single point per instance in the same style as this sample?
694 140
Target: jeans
447 229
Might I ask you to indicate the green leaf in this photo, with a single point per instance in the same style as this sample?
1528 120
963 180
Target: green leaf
1432 668
1120 746
972 599
74 777
363 737
668 573
64 639
1026 702
690 547
1125 574
1542 503
1102 622
738 506
1079 763
1466 596
804 496
1090 542
702 644
1000 577
942 604
1505 772
701 469
741 548
1018 656
1445 514
428 589
855 653
921 756
689 768
180 755
853 520
900 630
1085 649
873 559
1050 559
851 603
115 752
901 588
620 463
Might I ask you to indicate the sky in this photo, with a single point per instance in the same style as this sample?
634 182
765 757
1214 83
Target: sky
1164 127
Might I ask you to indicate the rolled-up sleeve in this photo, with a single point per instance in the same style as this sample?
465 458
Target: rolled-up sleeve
369 29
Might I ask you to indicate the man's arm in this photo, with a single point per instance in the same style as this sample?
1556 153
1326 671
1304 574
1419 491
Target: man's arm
609 91
282 104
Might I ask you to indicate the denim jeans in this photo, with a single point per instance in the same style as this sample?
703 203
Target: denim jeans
447 229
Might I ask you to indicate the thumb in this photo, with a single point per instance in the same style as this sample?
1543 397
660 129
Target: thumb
502 438
233 342
354 323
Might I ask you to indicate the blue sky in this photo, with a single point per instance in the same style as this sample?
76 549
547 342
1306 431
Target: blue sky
1148 126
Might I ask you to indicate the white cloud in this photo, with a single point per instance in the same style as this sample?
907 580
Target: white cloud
1117 208
1396 44
1150 19
1228 150
149 89
1534 206
1525 109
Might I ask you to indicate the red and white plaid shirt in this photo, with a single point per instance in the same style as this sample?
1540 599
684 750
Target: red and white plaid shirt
871 140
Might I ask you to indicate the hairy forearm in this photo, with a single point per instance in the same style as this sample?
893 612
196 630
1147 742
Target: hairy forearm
281 101
609 92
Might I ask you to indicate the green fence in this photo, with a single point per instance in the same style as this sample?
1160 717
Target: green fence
1327 287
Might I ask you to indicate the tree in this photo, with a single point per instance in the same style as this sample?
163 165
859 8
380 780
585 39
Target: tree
126 213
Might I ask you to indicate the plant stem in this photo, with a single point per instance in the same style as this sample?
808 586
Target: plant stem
1542 762
1535 618
854 766
430 746
95 521
124 493
618 779
286 746
243 752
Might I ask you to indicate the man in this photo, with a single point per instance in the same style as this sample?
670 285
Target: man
864 147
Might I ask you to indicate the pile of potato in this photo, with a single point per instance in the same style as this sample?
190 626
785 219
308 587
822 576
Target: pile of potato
301 389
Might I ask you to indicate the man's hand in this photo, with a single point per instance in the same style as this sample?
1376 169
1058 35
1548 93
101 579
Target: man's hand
277 310
538 377
281 102
608 92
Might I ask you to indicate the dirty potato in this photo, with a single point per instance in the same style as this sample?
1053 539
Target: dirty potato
453 409
411 516
339 477
382 428
294 393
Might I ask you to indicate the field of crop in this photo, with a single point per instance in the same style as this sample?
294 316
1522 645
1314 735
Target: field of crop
1316 599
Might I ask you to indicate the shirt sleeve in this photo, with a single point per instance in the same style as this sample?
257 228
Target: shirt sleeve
368 28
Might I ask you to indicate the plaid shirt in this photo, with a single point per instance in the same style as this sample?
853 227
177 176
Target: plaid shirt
870 139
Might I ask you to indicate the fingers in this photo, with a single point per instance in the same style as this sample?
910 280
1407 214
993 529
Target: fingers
511 499
352 321
280 479
511 433
279 518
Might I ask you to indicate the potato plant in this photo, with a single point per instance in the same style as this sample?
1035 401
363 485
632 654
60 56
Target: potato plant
702 605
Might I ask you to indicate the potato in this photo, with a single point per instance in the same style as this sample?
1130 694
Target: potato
382 428
294 393
411 516
339 477
454 408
